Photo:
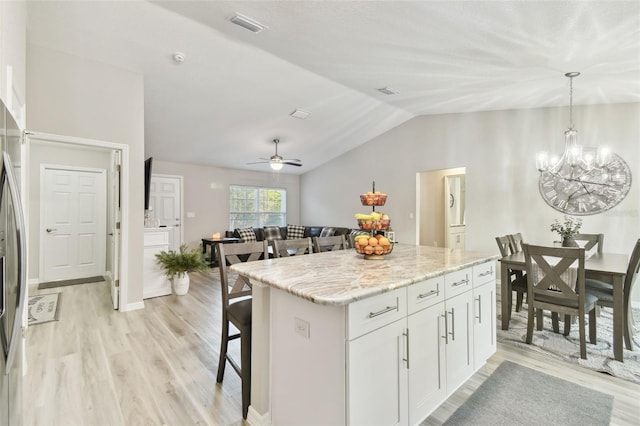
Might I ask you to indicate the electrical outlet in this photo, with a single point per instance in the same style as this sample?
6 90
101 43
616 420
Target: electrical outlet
301 327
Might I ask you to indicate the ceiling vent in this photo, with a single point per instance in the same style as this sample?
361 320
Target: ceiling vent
298 113
388 91
248 23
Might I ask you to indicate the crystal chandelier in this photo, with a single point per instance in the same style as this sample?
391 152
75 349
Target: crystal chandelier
583 181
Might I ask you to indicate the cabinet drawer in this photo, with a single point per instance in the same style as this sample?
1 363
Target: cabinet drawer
457 282
484 273
424 294
372 313
156 238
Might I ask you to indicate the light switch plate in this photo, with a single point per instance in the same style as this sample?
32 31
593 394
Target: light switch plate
301 327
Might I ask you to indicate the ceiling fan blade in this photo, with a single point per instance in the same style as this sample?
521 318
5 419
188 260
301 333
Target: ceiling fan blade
289 163
295 160
259 162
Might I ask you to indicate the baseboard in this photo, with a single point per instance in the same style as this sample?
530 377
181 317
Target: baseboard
256 419
132 306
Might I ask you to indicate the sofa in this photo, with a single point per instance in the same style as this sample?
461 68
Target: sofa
309 231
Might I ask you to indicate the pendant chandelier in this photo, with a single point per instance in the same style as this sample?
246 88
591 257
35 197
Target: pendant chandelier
582 181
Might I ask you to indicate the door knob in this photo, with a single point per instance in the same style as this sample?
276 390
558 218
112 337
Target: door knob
51 230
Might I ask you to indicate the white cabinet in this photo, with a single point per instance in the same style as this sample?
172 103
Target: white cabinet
458 340
484 305
456 237
13 48
155 282
377 377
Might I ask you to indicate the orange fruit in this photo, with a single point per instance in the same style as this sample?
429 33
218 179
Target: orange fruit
363 242
373 241
378 250
368 250
379 237
384 241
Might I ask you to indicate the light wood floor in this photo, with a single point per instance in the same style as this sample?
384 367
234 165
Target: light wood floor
157 366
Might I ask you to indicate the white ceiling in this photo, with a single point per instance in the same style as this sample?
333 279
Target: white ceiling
235 89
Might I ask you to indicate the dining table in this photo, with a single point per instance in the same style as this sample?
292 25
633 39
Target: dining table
606 267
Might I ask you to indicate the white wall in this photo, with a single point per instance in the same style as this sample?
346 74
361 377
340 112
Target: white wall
72 96
206 194
498 150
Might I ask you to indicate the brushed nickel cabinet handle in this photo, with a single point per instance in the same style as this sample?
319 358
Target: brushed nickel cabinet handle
383 311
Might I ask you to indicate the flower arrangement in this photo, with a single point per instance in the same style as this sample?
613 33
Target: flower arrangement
569 228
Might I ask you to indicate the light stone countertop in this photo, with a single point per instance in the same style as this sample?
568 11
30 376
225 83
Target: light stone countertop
344 276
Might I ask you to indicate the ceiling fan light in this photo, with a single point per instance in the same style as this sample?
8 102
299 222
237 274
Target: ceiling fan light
276 165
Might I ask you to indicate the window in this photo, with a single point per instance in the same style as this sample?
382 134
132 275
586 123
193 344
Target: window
254 207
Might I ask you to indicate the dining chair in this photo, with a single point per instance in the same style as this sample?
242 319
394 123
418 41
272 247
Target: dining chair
236 309
284 248
589 241
515 240
336 242
517 280
604 292
557 284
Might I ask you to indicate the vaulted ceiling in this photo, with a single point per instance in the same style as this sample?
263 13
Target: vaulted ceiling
235 90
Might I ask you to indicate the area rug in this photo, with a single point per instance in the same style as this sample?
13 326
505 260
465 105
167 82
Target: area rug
545 400
555 345
44 308
62 283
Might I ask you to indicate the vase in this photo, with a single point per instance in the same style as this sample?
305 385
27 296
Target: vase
180 284
569 242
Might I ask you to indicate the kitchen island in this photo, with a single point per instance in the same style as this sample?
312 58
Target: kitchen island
338 339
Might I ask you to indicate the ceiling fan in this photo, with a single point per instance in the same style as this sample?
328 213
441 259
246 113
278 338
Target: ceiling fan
276 162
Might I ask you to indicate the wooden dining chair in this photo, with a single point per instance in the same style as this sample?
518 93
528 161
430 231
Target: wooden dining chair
236 309
336 242
555 277
589 241
515 241
284 248
517 279
604 292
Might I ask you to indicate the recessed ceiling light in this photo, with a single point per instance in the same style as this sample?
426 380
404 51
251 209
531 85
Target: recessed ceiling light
248 23
298 113
388 91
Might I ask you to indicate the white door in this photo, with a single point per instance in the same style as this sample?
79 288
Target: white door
114 227
72 222
165 200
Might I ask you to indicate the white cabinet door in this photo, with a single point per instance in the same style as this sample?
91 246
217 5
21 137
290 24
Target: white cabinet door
155 282
377 377
459 340
427 384
484 326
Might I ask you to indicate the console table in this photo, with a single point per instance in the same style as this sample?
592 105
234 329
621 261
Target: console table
210 242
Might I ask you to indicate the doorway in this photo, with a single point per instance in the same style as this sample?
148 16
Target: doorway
165 202
433 201
86 155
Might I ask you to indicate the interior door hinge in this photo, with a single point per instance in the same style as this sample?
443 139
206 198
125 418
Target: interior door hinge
117 283
117 225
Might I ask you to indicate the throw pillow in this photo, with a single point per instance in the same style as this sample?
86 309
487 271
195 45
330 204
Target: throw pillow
327 232
294 232
272 233
246 235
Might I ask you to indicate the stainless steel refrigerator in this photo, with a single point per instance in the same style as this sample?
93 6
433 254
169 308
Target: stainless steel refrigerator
12 273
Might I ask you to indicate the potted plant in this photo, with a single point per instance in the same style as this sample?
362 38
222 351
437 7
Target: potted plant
176 266
567 230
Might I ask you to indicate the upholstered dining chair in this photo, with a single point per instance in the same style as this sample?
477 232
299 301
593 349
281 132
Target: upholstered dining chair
236 309
517 280
589 241
555 282
604 292
284 248
337 242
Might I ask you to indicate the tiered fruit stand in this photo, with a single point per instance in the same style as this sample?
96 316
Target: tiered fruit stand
375 244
